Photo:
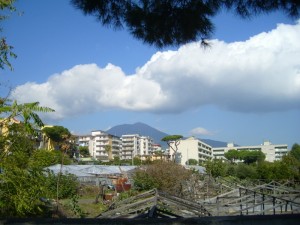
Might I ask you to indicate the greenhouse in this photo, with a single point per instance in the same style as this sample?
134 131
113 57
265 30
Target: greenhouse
93 174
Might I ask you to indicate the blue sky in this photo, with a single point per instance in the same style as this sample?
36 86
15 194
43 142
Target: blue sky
244 89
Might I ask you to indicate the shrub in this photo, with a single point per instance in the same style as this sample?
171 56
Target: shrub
244 171
68 185
165 176
20 191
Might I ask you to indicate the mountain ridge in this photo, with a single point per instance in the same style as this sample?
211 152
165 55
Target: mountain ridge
143 129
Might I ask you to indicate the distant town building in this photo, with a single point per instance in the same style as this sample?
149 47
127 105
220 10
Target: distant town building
146 146
136 145
272 152
101 145
191 148
156 148
84 140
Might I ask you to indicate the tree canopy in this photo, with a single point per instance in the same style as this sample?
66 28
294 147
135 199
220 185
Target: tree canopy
252 156
5 49
247 156
168 23
295 151
232 155
173 141
171 138
57 133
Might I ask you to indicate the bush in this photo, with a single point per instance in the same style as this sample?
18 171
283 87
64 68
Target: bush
265 171
216 168
20 191
244 171
165 176
231 170
144 181
68 185
43 158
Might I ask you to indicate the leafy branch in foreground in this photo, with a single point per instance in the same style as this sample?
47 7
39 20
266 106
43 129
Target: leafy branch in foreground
27 112
6 49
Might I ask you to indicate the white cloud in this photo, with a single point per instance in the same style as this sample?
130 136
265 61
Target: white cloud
200 131
258 75
88 88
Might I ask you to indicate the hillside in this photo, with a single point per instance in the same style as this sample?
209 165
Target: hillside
146 130
213 143
138 128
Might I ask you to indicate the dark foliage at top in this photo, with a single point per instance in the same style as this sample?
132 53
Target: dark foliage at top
175 22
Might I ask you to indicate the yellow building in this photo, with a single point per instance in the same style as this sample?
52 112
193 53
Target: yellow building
46 142
5 123
43 142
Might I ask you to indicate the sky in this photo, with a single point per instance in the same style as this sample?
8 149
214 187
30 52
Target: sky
244 88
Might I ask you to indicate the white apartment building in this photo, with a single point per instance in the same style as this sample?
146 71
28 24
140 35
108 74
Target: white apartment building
146 146
191 148
272 152
135 145
98 142
156 147
84 140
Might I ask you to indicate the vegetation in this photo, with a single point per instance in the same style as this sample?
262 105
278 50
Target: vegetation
192 162
246 156
295 151
84 151
173 141
27 113
58 134
255 167
62 139
168 23
20 192
165 176
23 181
232 155
67 188
42 158
216 168
6 49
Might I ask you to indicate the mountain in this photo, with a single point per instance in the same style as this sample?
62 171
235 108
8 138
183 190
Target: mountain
213 143
141 129
146 130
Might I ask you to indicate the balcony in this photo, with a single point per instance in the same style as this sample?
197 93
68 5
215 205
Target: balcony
129 144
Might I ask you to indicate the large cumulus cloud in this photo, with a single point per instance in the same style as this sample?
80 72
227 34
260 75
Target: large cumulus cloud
259 75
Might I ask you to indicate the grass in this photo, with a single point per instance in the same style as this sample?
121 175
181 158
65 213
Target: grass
85 207
83 204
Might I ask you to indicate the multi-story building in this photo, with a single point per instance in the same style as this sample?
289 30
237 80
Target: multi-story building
156 148
84 140
101 144
272 152
136 145
146 146
130 146
191 148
